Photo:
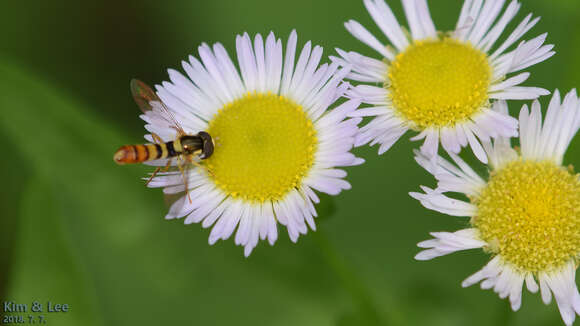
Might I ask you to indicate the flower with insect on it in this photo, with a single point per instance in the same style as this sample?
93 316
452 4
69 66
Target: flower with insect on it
275 139
439 84
525 214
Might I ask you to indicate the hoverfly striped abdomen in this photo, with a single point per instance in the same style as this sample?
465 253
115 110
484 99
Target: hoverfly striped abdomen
170 148
140 153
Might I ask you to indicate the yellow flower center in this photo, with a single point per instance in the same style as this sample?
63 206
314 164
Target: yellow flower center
436 83
529 213
264 145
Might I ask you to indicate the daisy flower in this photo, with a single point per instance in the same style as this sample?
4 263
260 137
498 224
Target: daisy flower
441 84
276 140
525 214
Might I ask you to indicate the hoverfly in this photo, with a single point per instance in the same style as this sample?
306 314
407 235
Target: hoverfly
185 148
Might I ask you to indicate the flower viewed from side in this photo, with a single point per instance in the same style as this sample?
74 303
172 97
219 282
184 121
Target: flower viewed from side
526 214
442 84
276 140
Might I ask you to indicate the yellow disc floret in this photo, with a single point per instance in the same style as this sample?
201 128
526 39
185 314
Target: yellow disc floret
529 213
436 83
264 145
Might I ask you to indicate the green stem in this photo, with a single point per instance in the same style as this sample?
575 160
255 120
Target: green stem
350 281
505 315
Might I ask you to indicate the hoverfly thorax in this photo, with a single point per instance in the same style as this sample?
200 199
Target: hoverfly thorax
200 144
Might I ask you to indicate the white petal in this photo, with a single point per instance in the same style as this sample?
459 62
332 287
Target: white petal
550 140
446 243
363 35
562 284
419 19
436 201
385 19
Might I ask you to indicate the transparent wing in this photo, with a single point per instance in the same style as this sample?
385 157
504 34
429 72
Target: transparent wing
147 100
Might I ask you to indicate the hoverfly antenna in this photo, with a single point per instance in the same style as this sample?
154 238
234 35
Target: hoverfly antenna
207 145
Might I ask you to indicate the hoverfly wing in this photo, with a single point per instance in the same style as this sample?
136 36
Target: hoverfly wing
147 100
143 95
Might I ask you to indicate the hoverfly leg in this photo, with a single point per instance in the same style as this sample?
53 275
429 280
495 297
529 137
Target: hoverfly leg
157 140
185 178
165 169
153 175
168 165
192 160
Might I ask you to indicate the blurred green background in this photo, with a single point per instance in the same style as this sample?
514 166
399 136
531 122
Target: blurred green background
78 229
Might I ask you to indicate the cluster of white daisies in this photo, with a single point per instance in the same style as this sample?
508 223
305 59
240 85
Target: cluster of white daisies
283 124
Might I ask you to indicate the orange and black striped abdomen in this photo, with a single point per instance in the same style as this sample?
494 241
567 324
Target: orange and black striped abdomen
142 153
201 145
